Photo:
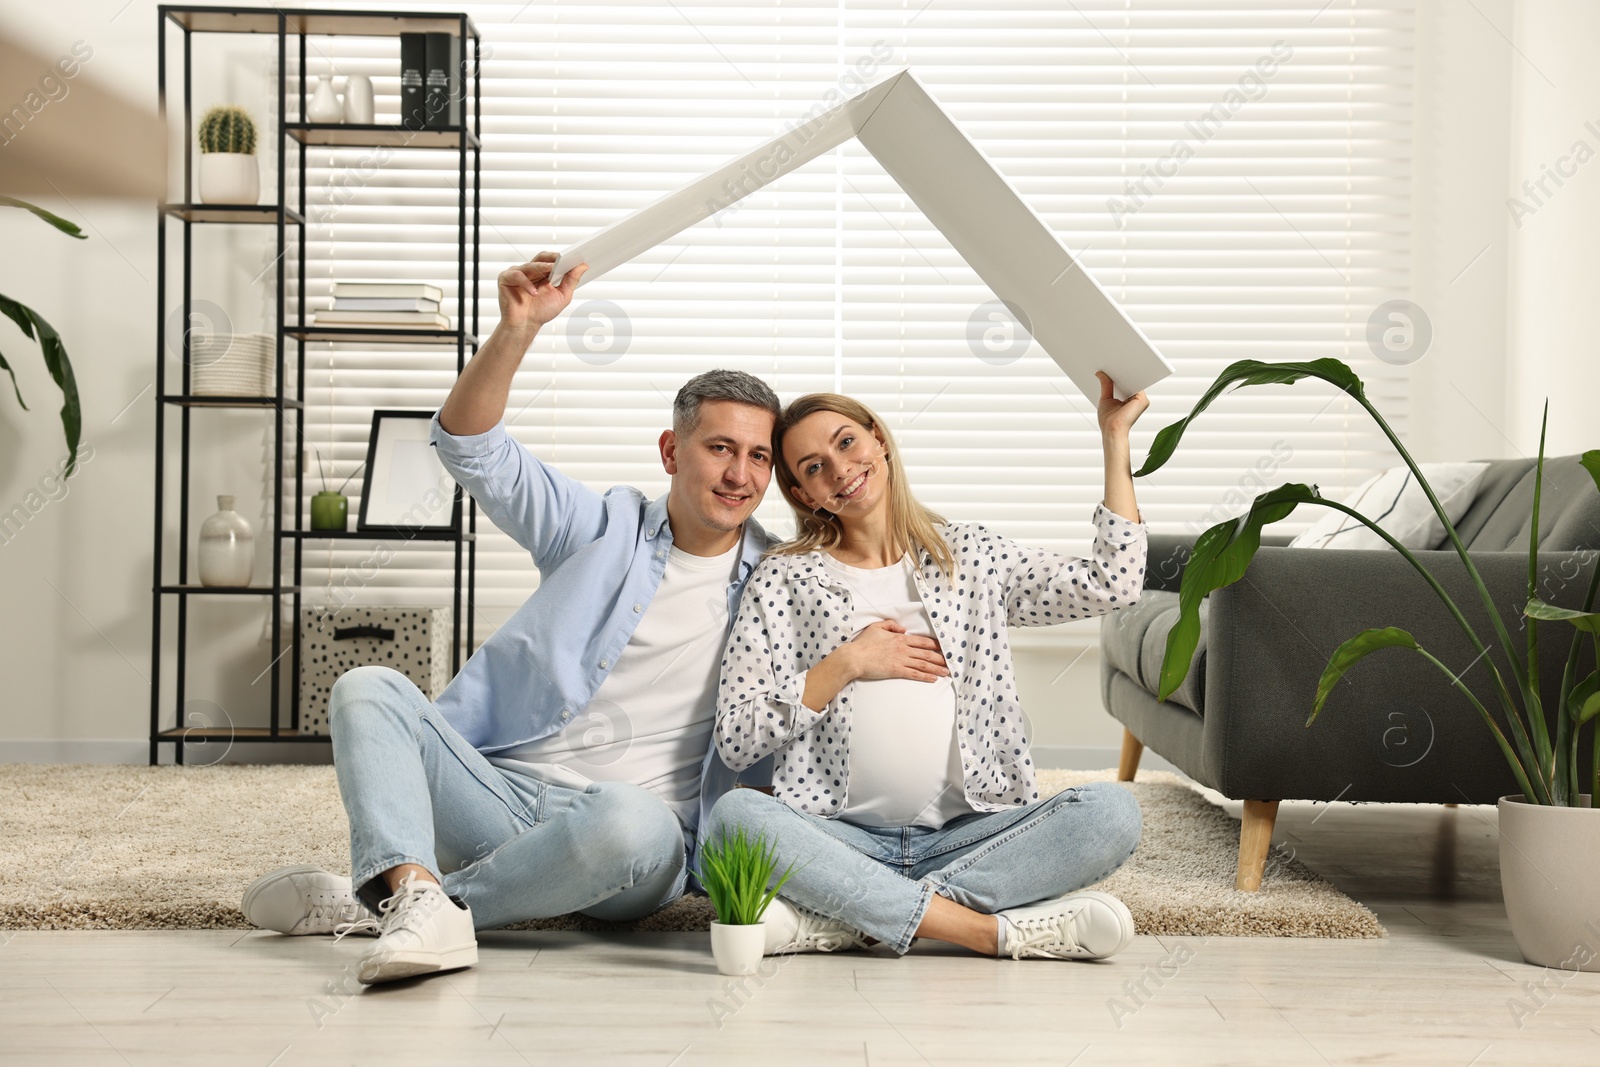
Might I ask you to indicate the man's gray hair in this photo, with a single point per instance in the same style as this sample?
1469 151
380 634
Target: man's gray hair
734 385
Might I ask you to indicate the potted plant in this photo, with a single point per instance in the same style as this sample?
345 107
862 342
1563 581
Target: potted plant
34 327
1550 832
330 509
228 170
735 871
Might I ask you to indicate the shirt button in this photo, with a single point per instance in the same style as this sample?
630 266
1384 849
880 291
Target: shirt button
660 554
638 608
605 663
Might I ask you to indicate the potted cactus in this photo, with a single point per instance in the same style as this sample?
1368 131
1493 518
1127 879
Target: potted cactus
228 170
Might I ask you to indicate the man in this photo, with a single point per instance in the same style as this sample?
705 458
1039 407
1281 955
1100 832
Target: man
566 767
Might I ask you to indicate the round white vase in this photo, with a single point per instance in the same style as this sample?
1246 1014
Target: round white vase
324 104
738 949
227 547
229 178
1549 868
358 105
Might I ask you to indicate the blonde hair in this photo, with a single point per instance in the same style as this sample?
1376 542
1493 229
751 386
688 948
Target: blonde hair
910 523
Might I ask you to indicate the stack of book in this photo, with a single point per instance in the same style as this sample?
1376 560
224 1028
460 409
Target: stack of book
412 305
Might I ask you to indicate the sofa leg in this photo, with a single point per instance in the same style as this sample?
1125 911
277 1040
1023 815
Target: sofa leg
1255 840
1132 749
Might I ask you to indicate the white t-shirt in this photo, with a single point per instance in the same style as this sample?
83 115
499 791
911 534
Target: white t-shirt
904 764
650 721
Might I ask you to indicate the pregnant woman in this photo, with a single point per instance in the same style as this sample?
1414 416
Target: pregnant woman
870 656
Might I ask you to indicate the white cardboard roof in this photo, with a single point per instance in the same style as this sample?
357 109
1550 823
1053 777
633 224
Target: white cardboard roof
960 192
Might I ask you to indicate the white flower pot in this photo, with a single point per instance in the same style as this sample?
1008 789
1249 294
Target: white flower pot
738 949
229 178
1550 878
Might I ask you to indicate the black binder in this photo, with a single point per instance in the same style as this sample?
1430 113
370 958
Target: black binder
442 81
413 61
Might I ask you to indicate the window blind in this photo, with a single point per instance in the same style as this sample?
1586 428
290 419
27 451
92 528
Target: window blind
1235 174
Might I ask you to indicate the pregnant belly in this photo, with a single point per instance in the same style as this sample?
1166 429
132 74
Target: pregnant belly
902 749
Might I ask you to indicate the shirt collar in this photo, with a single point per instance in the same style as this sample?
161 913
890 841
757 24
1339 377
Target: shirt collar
755 545
752 546
655 519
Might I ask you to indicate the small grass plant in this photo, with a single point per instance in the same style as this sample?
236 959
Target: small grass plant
735 870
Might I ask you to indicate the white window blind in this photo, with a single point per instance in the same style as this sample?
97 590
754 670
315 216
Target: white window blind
1236 208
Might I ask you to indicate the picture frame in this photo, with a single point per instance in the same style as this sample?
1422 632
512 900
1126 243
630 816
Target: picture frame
405 489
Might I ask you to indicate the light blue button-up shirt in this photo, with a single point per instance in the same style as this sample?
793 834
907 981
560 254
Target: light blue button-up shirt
599 555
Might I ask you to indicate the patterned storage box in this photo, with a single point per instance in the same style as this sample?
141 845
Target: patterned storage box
413 640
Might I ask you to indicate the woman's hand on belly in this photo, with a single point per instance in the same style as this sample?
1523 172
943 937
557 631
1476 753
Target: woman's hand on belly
886 650
882 650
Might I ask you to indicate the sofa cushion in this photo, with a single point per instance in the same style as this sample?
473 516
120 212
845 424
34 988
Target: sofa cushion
1498 481
1134 640
1569 508
1396 501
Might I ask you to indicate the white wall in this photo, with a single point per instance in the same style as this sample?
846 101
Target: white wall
75 644
1459 407
77 574
1555 257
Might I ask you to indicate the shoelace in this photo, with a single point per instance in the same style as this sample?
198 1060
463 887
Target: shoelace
812 931
833 942
367 923
1045 932
344 912
392 913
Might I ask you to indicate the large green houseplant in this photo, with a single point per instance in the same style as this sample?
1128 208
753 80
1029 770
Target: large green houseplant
34 327
1546 767
1544 762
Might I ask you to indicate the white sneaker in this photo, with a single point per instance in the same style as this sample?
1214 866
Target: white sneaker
421 930
1079 926
301 900
792 929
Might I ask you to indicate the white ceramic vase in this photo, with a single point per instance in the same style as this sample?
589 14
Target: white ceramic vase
227 547
324 104
738 949
229 178
1549 870
358 106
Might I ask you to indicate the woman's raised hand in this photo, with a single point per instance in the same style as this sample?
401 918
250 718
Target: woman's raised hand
885 650
1118 416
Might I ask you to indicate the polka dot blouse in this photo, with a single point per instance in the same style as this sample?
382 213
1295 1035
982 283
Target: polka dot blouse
794 613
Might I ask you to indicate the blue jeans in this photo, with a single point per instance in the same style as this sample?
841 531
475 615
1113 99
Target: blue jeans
511 846
881 880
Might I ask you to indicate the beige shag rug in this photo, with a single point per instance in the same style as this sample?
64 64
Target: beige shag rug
116 847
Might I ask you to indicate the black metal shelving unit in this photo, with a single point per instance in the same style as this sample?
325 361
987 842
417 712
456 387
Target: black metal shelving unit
290 223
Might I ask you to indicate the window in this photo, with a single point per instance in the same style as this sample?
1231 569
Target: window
1236 175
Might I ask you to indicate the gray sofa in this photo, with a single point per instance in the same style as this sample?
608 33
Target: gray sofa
1395 729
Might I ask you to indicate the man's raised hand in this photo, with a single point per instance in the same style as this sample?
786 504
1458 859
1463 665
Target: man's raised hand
526 296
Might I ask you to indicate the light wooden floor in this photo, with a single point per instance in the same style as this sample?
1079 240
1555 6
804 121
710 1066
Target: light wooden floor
1439 990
